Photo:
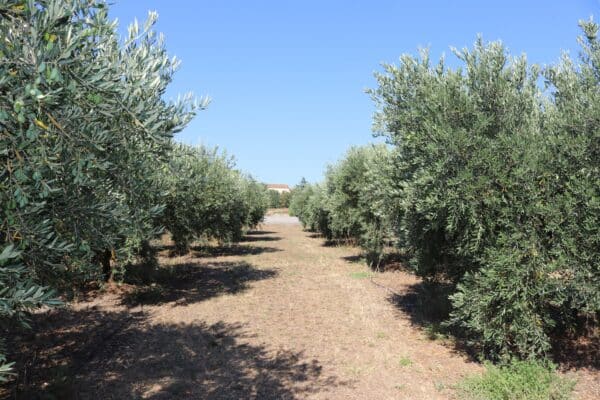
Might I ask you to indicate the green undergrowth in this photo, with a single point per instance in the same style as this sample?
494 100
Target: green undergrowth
361 275
518 380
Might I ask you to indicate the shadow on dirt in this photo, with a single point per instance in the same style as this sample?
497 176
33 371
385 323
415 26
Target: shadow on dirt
261 238
234 249
190 283
427 305
389 262
339 242
358 259
578 348
256 233
93 354
230 250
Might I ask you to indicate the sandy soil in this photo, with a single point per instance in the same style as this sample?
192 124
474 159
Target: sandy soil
279 316
281 219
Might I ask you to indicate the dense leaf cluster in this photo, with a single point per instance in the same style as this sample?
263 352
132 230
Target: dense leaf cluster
90 172
207 199
492 184
355 203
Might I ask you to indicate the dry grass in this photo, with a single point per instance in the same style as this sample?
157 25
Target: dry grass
278 316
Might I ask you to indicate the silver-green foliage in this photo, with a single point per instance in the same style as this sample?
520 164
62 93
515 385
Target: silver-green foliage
359 199
500 187
87 154
205 198
82 124
19 294
356 202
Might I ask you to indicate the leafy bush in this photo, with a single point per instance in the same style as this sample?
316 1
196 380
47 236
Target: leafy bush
314 215
299 198
498 185
307 203
18 295
82 122
519 380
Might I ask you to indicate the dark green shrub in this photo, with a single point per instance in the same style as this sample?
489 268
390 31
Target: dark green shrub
257 201
299 200
344 183
308 204
359 198
315 215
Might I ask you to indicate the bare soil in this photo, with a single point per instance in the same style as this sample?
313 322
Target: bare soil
278 316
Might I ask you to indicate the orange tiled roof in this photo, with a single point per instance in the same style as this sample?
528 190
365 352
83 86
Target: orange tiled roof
277 186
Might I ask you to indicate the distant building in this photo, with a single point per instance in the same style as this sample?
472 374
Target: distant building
279 187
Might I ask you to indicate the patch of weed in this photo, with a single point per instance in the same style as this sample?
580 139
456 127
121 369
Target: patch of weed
380 335
405 362
360 275
518 380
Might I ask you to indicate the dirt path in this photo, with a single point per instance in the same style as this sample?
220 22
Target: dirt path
281 219
279 316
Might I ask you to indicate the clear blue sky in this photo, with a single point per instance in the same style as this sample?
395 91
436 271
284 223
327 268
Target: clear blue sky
287 78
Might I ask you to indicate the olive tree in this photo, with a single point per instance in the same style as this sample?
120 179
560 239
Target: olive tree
82 123
498 188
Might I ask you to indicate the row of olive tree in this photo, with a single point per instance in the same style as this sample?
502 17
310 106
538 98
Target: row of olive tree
279 200
355 203
207 198
492 184
90 173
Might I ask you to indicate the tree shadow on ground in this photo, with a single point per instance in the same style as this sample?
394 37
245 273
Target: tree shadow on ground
357 259
339 242
257 232
389 262
93 354
234 249
427 305
190 283
577 345
578 351
231 250
261 238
